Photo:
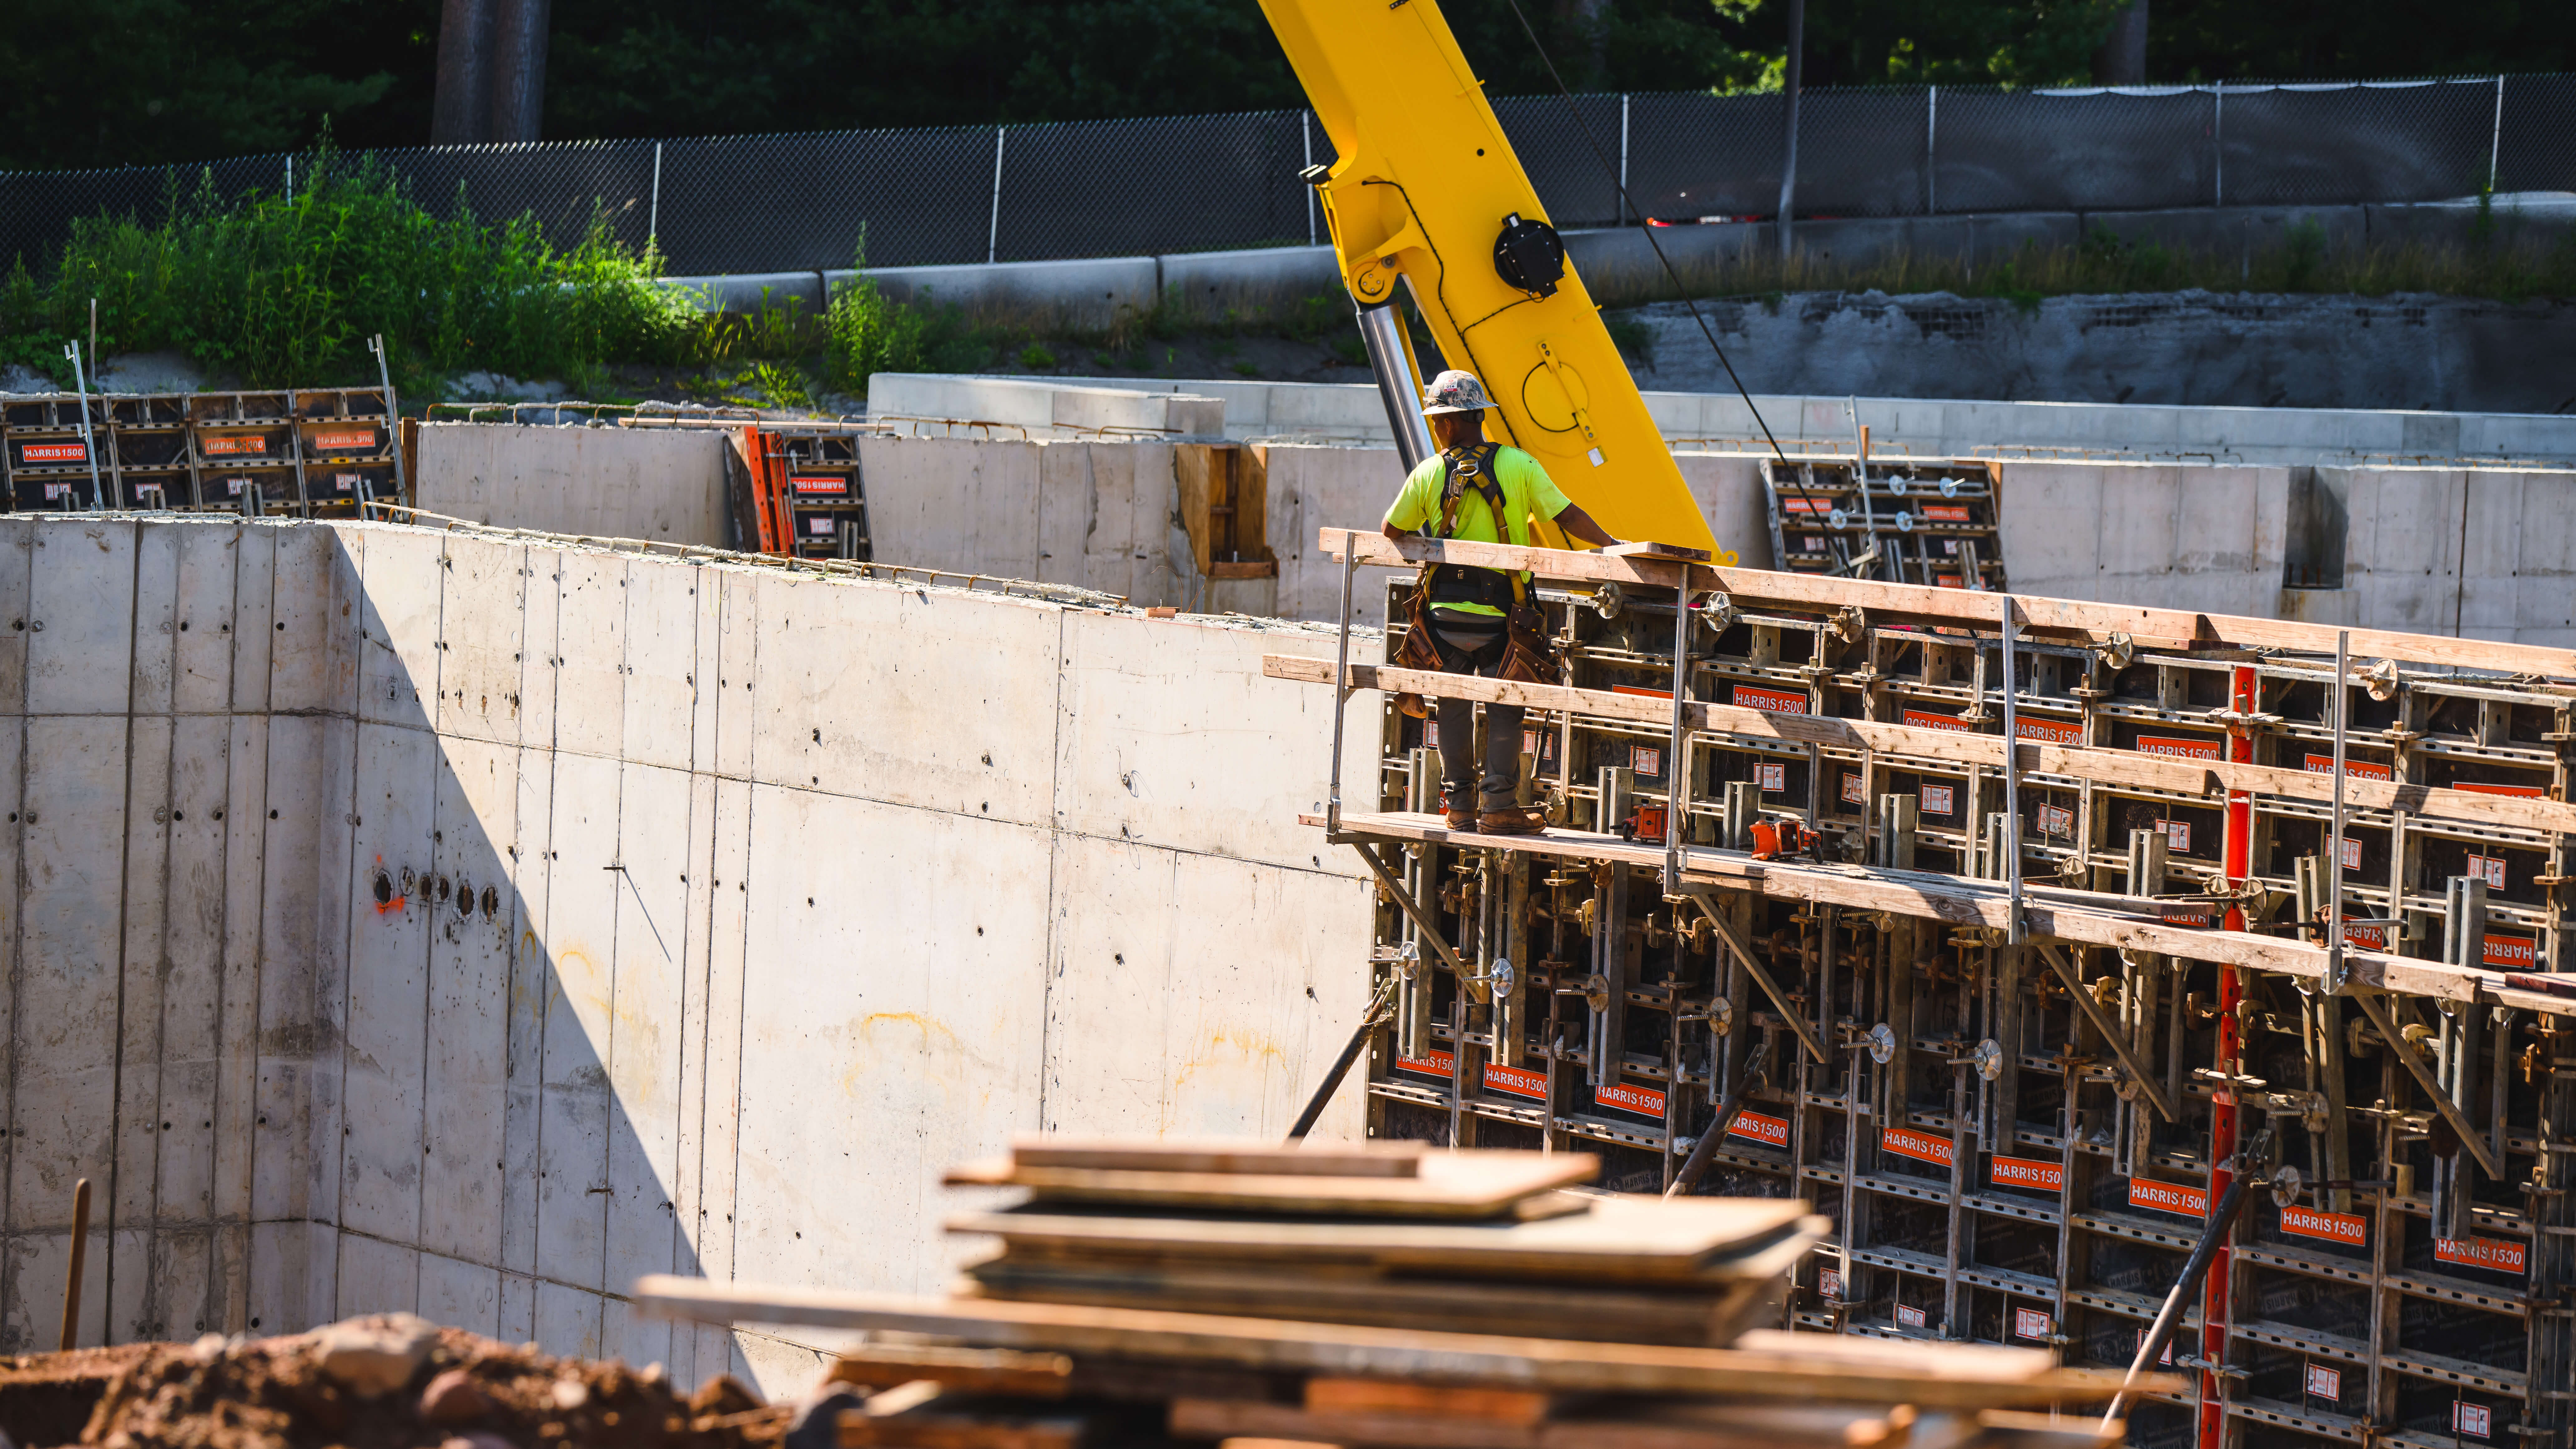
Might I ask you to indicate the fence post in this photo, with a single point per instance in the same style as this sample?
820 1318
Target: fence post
2495 140
1931 150
2218 143
1306 130
653 213
290 179
1789 158
993 234
1621 201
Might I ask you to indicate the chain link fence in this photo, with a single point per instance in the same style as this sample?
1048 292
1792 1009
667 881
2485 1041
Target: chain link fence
1206 183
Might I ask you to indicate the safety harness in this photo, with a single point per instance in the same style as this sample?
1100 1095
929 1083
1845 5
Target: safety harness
1452 584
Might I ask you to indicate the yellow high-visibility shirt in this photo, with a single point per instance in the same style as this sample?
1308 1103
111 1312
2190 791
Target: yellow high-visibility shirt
1530 499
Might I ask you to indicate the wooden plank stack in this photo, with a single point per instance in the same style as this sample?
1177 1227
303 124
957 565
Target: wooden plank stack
1388 1295
1393 1235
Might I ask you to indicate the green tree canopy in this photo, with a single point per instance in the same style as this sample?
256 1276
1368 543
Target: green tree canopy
121 82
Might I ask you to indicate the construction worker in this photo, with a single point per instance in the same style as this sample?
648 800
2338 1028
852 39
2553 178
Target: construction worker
1478 491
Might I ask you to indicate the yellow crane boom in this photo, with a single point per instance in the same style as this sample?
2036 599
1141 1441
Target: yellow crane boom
1426 189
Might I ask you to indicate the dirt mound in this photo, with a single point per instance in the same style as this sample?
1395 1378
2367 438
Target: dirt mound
396 1382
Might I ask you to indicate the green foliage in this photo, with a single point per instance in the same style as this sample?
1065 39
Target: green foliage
122 82
281 290
2303 256
1036 358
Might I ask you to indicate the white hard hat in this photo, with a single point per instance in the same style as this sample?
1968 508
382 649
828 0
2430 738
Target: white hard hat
1454 392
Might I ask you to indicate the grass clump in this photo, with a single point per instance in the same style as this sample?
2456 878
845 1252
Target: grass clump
286 290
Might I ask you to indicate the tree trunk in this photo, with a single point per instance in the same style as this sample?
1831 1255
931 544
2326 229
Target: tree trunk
519 71
463 100
1590 22
2122 60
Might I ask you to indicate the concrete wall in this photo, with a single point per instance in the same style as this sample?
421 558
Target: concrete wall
1933 427
663 485
1037 408
785 893
1100 516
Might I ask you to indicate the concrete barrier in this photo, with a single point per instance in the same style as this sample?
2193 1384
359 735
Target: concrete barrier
1619 267
1040 408
666 485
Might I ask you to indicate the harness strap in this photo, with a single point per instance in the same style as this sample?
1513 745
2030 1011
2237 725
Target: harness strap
1474 468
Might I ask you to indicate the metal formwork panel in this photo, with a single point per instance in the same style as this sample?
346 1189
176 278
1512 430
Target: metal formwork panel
1987 1121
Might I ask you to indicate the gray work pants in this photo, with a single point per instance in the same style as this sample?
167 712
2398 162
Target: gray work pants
1476 652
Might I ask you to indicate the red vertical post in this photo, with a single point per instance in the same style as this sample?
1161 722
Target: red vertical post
2239 843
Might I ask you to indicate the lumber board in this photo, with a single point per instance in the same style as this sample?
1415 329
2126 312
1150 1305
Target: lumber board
1326 1394
1232 1154
2078 619
947 1420
2080 917
1448 1185
2104 767
1740 1427
976 1370
1707 1316
1625 1238
1763 1364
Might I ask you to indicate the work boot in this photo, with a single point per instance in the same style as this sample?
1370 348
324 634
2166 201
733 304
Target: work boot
1514 821
1462 816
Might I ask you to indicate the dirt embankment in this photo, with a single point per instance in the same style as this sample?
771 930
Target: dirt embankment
389 1382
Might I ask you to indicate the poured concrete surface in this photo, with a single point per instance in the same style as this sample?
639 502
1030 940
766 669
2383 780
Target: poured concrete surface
662 485
493 921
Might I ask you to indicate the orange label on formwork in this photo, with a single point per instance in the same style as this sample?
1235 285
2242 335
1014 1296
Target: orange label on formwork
1753 1126
1641 689
2169 1197
1519 1083
1945 512
1769 701
345 441
232 446
1805 505
2352 769
1629 1098
2332 1227
811 484
1949 581
2512 952
1922 1146
2178 746
2487 1253
1438 1064
1924 719
31 454
2026 1172
2048 731
2369 938
2519 792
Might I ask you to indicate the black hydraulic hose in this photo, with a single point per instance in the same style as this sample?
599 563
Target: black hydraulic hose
1622 187
1370 1021
2184 1287
1695 1166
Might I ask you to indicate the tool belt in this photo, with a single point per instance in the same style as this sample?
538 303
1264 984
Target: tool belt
1528 656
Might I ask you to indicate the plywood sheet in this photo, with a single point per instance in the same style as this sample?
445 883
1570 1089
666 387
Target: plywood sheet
1471 1185
1623 1237
1372 1159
